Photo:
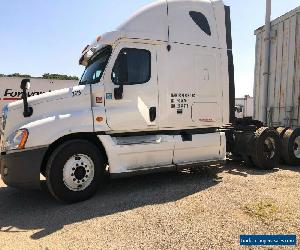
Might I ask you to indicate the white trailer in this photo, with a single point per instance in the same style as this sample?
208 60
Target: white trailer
277 80
157 94
244 107
283 90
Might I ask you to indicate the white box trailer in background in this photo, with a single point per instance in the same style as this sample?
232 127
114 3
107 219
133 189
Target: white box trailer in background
283 94
244 107
10 88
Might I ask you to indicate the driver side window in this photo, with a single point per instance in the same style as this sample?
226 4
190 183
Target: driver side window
135 64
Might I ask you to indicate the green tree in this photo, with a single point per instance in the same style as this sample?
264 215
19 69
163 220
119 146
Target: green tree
45 76
18 75
59 77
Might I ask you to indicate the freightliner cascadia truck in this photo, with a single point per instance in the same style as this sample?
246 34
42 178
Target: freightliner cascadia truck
156 94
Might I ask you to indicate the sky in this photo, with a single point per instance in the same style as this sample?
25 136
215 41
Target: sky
38 37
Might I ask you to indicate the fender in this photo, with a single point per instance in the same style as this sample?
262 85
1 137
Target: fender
45 131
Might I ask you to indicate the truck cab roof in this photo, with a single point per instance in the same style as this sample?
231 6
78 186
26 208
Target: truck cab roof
199 22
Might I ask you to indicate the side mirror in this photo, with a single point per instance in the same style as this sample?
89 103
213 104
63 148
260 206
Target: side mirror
25 85
122 74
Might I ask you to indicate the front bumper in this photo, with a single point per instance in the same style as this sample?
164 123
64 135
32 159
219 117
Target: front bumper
22 169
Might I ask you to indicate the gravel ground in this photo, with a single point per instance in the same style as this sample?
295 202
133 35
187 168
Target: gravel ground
204 209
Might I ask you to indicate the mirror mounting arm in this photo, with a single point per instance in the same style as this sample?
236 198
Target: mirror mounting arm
118 92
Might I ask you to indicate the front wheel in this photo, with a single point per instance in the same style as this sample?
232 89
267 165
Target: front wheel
74 171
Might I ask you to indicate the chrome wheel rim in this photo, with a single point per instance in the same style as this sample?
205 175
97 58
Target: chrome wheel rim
78 172
297 147
269 148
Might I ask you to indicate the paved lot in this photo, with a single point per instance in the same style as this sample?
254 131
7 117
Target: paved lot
204 209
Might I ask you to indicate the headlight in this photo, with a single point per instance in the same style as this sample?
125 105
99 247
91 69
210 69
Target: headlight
17 140
4 116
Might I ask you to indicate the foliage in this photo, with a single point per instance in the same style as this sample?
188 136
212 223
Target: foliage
59 77
18 75
45 76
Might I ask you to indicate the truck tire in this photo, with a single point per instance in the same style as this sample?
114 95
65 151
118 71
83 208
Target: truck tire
291 147
74 171
265 153
281 131
248 161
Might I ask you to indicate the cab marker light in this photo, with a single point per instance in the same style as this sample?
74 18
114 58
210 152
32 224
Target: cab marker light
84 49
24 139
99 119
98 38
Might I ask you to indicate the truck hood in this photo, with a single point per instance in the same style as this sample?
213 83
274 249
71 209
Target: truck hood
58 102
39 99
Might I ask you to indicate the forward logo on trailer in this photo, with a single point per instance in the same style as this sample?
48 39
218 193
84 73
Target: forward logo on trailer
12 95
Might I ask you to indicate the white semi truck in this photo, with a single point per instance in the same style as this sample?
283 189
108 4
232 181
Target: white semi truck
157 94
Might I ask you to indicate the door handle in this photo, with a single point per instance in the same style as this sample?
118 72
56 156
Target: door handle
152 114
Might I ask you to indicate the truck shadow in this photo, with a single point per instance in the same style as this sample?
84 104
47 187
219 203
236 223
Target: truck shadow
24 210
290 168
244 170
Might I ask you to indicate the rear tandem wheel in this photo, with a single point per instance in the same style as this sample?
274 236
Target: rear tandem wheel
265 153
290 148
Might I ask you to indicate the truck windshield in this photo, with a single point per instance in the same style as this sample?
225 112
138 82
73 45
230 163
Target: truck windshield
94 70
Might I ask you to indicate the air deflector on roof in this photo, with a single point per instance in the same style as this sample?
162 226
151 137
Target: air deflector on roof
201 21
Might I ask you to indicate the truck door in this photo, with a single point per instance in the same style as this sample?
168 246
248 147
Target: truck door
131 91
